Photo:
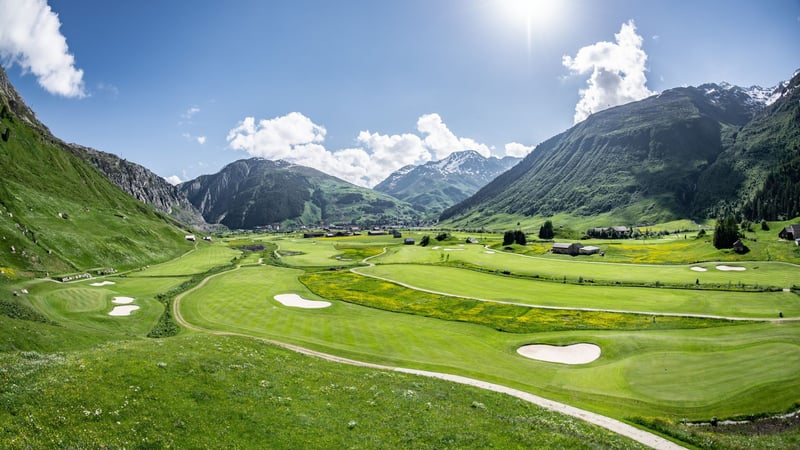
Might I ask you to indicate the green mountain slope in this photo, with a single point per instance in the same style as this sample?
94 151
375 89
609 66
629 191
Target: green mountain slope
675 155
767 153
257 192
59 214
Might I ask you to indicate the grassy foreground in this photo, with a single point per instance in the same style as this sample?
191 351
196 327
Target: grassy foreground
54 378
170 394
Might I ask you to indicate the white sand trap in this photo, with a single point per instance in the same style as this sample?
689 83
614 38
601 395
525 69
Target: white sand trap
729 268
698 269
489 252
452 249
568 354
435 248
123 310
299 302
122 300
102 283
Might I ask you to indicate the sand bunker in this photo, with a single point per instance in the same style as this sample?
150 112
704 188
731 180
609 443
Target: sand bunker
729 268
699 269
452 249
299 302
123 310
489 252
122 300
568 354
102 283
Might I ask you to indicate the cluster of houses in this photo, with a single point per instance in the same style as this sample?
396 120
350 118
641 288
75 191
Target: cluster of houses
619 232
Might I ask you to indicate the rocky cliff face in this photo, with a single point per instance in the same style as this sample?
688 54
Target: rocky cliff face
142 184
18 106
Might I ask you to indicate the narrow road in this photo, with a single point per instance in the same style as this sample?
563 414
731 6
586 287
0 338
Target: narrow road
616 426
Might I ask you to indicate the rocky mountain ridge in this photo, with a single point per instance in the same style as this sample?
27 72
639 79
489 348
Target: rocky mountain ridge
257 192
436 185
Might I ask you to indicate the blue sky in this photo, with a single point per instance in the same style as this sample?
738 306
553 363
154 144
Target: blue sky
361 88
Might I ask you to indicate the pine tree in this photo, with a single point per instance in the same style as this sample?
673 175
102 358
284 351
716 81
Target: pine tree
726 232
508 237
546 230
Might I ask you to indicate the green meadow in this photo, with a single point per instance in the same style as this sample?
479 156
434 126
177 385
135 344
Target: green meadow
451 307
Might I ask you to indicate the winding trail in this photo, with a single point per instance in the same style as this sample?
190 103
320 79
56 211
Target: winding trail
614 425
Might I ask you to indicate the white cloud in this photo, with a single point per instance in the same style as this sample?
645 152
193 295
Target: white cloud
190 112
295 138
201 140
518 150
442 141
617 72
173 180
30 36
275 138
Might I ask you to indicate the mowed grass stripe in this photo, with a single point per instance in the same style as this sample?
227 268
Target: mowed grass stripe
471 350
763 273
468 283
203 258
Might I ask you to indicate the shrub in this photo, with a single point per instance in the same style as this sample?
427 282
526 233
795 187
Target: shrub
425 241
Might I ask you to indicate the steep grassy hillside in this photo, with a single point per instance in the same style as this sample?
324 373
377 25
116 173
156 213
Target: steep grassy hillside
257 192
58 214
767 150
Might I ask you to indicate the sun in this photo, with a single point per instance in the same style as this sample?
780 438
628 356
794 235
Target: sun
538 17
537 12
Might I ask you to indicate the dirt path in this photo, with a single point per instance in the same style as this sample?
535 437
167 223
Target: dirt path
608 423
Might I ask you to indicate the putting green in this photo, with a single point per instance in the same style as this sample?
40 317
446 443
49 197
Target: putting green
312 253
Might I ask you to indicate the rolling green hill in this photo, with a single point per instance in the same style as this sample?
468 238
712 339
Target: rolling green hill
59 214
257 192
689 152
